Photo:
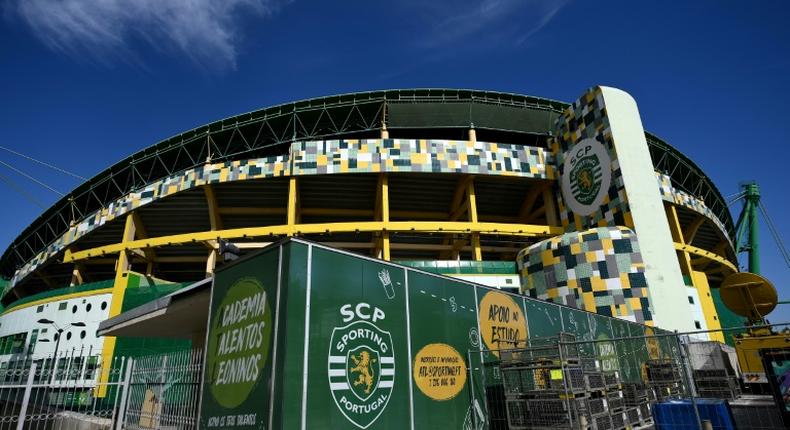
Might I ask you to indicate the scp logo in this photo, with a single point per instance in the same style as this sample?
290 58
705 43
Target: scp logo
361 364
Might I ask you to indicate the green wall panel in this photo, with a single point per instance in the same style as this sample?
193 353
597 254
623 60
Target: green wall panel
356 324
577 322
236 389
444 330
544 318
361 343
291 339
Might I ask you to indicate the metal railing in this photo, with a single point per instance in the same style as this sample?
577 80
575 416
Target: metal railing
80 390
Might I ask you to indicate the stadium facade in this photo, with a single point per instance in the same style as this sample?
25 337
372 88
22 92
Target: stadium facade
572 203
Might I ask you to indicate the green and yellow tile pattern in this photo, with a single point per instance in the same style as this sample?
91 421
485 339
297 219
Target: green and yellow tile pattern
599 270
318 158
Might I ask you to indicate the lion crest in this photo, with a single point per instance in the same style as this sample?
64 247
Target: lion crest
363 365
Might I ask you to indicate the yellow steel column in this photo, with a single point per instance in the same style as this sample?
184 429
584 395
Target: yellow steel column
215 221
691 230
698 280
708 307
471 201
385 215
293 202
140 233
122 267
458 207
549 202
677 237
76 275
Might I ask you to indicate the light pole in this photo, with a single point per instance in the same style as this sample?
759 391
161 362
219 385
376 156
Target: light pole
57 340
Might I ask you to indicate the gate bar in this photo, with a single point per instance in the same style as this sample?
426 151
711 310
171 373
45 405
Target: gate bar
20 424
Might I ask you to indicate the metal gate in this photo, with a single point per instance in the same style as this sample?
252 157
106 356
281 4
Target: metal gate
164 391
62 393
83 391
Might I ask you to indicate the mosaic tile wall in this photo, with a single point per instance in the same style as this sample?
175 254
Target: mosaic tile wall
207 174
599 270
324 157
586 118
410 155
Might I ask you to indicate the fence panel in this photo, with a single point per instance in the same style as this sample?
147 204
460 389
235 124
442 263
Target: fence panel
73 391
164 391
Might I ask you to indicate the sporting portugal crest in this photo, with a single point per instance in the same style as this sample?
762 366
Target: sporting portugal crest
586 176
361 371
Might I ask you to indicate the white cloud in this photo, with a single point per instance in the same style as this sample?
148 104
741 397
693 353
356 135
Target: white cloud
487 23
203 30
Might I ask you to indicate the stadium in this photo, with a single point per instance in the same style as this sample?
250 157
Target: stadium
465 183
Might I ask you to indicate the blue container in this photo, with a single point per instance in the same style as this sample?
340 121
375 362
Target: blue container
679 414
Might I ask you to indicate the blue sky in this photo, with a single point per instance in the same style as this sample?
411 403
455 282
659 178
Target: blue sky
84 85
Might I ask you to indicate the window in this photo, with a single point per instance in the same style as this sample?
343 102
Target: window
697 325
715 318
88 307
40 309
75 368
33 339
63 306
82 334
508 281
74 309
103 305
68 335
691 300
13 344
90 368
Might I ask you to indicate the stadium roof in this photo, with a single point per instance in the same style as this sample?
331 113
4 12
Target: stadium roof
270 131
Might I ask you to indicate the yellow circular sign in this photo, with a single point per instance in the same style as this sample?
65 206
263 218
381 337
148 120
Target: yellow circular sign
439 371
503 324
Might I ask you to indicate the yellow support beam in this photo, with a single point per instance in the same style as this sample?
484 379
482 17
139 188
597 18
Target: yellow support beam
720 249
77 277
385 215
293 203
457 208
712 257
549 202
214 214
142 233
712 322
677 237
471 204
691 230
122 268
533 193
522 230
215 223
